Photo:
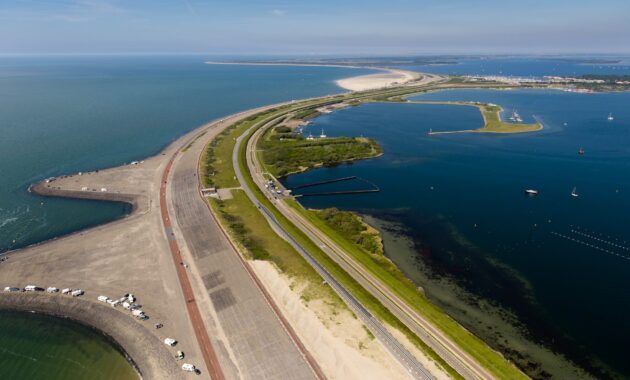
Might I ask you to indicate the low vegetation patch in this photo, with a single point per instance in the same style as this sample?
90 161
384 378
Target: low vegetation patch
306 114
353 228
286 156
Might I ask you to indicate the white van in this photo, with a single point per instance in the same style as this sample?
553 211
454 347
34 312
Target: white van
188 367
76 293
30 288
52 289
103 298
66 291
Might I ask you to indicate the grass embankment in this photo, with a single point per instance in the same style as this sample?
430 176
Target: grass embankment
216 161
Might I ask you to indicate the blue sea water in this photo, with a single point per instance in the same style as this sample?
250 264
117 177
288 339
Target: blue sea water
561 263
67 114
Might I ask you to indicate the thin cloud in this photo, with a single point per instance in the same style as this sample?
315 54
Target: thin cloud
278 12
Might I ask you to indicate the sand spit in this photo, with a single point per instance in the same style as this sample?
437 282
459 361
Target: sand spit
379 80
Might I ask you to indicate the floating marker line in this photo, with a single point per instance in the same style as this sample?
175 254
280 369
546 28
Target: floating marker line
601 240
589 245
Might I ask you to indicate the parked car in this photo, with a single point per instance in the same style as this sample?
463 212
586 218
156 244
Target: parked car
170 342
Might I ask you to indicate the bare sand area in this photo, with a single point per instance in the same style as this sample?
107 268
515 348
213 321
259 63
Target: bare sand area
335 337
388 78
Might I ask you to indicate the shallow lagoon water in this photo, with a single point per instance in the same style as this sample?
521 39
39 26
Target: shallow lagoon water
460 199
35 346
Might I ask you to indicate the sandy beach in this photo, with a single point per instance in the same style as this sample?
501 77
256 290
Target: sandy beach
379 80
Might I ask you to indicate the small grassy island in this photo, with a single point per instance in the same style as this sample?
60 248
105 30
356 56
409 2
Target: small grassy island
492 122
286 151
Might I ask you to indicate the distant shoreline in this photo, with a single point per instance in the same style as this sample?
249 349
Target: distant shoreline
386 78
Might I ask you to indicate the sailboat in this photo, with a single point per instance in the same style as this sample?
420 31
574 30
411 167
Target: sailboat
516 117
581 151
610 117
574 193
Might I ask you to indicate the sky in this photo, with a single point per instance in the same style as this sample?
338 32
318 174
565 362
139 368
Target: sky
315 27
